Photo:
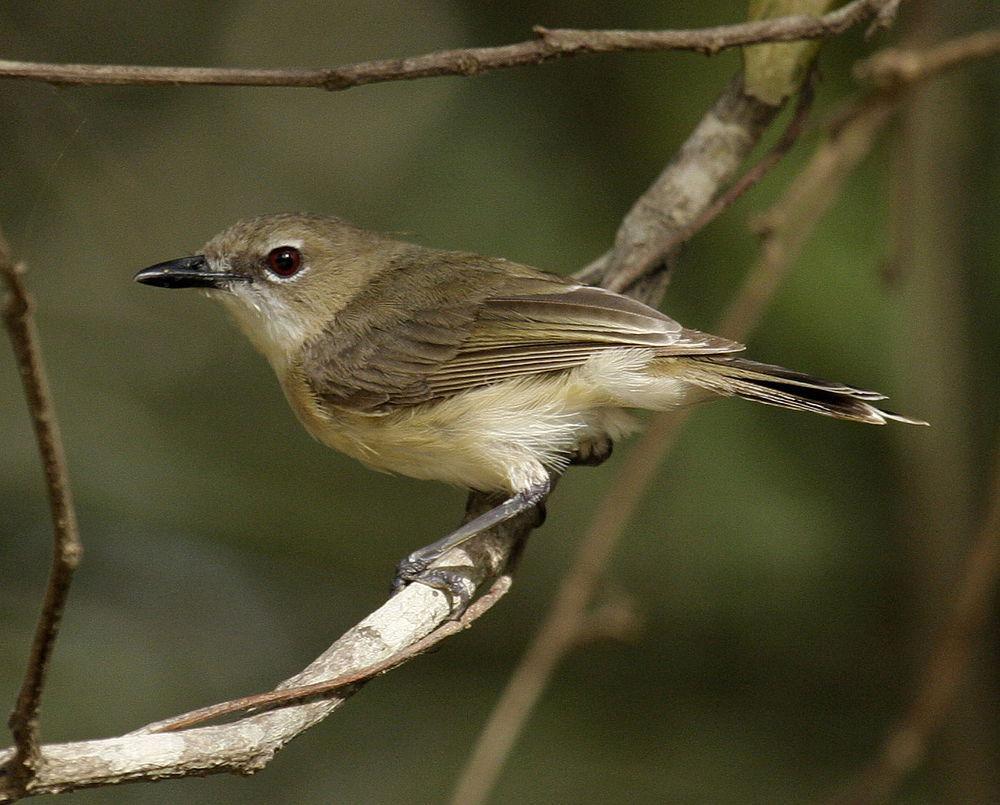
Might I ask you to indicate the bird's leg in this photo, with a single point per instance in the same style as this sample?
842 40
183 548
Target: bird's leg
416 566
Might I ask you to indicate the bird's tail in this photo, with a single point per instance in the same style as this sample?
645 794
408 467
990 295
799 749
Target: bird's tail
775 385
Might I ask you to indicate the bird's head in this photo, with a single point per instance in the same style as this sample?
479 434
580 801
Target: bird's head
283 277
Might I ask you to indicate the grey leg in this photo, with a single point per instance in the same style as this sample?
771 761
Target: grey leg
415 566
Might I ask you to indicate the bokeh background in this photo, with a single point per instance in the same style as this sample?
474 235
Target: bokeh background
789 570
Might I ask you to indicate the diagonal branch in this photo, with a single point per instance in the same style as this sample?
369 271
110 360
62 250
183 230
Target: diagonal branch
626 277
66 548
550 44
784 229
283 697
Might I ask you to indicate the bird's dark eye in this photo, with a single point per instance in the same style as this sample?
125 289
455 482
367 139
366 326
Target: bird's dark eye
285 261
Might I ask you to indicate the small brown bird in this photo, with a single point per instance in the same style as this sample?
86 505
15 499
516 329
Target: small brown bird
467 369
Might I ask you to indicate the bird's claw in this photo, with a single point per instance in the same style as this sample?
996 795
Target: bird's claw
455 582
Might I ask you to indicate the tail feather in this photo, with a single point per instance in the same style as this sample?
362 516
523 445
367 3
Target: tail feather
775 385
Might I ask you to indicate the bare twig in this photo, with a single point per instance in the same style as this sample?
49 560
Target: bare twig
786 226
262 702
905 744
896 66
550 44
66 548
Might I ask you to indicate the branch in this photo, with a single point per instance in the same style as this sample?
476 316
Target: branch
66 547
894 66
262 702
550 44
248 745
905 744
627 277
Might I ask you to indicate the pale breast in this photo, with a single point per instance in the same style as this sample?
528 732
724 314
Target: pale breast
491 437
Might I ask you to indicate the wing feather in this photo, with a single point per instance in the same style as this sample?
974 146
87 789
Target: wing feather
513 322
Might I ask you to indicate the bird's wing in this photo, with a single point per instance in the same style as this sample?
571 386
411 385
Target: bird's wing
450 345
518 335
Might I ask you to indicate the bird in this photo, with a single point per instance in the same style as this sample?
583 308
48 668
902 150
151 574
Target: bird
476 371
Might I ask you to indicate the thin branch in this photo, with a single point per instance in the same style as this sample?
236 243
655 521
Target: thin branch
896 66
905 744
66 546
788 224
550 44
262 702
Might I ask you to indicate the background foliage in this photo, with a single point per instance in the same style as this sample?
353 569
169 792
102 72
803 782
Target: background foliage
786 594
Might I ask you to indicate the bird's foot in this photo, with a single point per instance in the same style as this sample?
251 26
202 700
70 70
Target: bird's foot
458 582
455 582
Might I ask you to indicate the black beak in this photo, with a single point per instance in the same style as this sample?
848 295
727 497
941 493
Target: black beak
187 272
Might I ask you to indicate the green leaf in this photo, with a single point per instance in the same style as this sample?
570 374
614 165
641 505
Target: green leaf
776 70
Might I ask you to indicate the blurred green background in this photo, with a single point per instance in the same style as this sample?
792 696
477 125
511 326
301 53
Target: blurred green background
789 570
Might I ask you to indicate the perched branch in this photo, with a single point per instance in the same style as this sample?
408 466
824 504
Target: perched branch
262 702
248 745
550 44
66 548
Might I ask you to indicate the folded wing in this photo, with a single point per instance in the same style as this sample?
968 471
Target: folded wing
446 345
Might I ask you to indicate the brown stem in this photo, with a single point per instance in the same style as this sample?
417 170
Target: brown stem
896 66
550 44
66 548
905 744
